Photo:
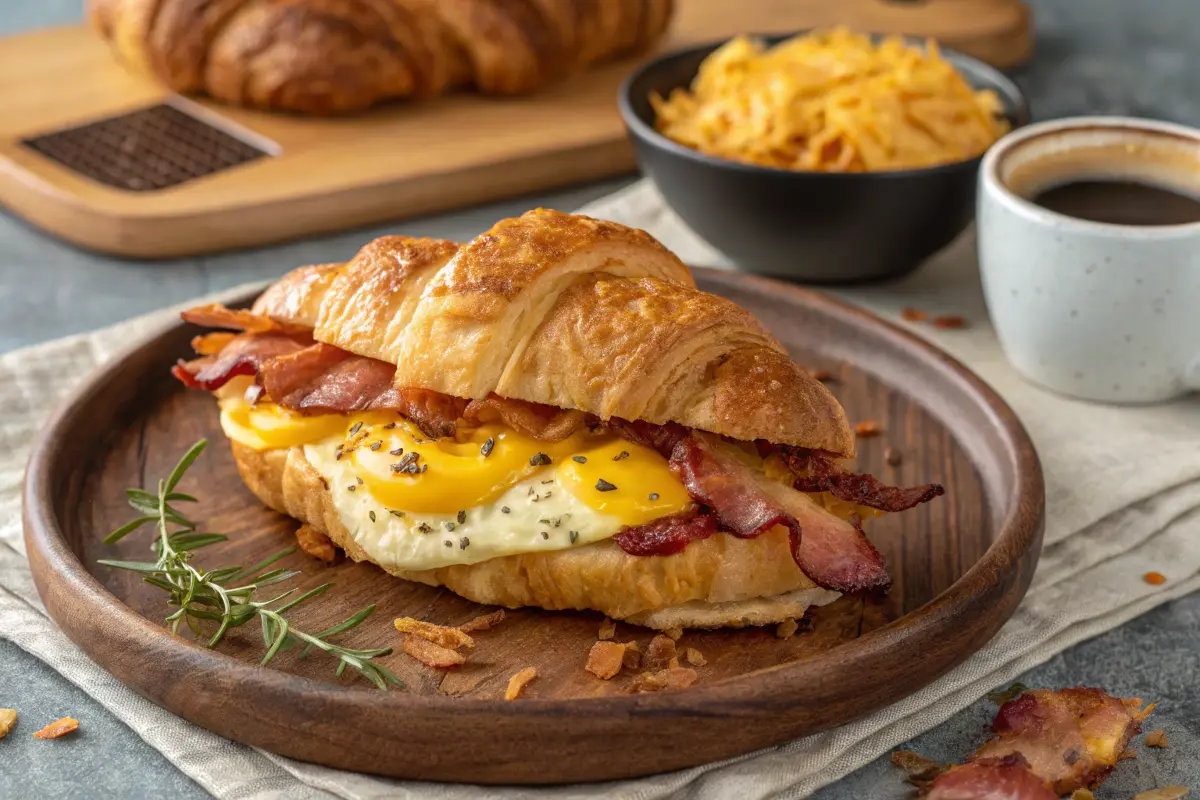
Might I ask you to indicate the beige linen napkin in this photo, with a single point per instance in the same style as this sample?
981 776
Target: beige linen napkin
1123 489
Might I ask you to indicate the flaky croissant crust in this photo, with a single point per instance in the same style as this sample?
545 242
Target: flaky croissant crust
331 56
567 311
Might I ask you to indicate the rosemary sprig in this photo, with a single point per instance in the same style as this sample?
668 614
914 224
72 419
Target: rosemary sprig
203 597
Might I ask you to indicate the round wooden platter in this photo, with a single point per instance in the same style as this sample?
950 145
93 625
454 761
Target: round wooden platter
960 566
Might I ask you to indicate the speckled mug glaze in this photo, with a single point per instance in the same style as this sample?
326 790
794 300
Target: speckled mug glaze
1103 312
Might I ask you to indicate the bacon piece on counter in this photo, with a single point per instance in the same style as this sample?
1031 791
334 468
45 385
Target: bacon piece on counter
833 552
243 355
1008 778
548 423
666 535
1071 738
818 473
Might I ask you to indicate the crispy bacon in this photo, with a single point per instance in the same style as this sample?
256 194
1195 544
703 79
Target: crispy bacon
667 535
325 380
216 315
662 438
1071 738
209 344
436 414
243 355
548 423
1008 778
818 473
831 551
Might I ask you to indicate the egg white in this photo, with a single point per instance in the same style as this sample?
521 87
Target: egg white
542 516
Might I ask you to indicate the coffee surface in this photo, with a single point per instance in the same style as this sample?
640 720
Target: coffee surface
1120 202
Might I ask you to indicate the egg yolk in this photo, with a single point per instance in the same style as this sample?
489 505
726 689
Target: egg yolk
403 469
265 426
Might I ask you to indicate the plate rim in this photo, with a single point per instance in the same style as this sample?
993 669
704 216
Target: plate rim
58 570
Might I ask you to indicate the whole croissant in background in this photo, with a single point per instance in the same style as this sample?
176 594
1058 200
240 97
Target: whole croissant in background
331 56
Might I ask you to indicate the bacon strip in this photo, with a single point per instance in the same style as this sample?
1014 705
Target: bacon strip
831 551
548 423
243 355
436 414
667 535
993 779
817 473
1071 738
216 315
662 438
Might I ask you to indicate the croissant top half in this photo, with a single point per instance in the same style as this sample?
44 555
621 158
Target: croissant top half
325 56
568 311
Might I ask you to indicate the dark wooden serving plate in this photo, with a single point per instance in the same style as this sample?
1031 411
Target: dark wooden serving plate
961 564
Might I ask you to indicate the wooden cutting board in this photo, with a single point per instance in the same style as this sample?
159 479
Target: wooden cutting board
959 564
268 177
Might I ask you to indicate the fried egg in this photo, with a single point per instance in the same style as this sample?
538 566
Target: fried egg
417 503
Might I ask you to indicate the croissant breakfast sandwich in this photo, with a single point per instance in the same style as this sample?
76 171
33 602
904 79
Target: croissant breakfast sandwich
550 415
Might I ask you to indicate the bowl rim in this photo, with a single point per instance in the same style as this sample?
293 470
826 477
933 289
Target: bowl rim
1018 115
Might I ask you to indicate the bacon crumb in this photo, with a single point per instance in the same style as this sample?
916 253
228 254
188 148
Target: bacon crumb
605 659
430 654
1156 739
695 657
56 729
950 321
1154 578
913 315
673 678
1165 793
674 633
918 768
632 657
892 456
484 622
659 653
440 635
316 544
867 428
608 629
518 682
8 720
787 629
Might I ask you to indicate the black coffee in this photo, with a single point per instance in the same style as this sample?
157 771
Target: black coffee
1120 203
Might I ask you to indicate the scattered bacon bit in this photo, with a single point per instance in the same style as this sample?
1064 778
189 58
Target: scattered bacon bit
608 629
56 729
950 321
430 654
1165 793
1156 739
659 653
695 657
316 544
913 315
1071 738
484 622
1154 578
8 719
1009 778
209 344
632 657
441 635
918 768
518 682
892 456
787 629
605 659
670 678
867 428
675 633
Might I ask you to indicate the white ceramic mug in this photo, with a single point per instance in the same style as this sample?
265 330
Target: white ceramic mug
1093 310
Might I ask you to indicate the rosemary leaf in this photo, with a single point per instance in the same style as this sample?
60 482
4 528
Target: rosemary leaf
194 541
128 528
188 458
311 593
266 562
149 567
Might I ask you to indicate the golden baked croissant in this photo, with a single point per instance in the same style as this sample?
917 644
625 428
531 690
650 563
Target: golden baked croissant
550 415
331 56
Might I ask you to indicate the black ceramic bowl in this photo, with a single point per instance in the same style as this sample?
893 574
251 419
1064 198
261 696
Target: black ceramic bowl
815 227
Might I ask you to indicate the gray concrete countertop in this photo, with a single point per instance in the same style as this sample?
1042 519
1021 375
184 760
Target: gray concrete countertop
1101 56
